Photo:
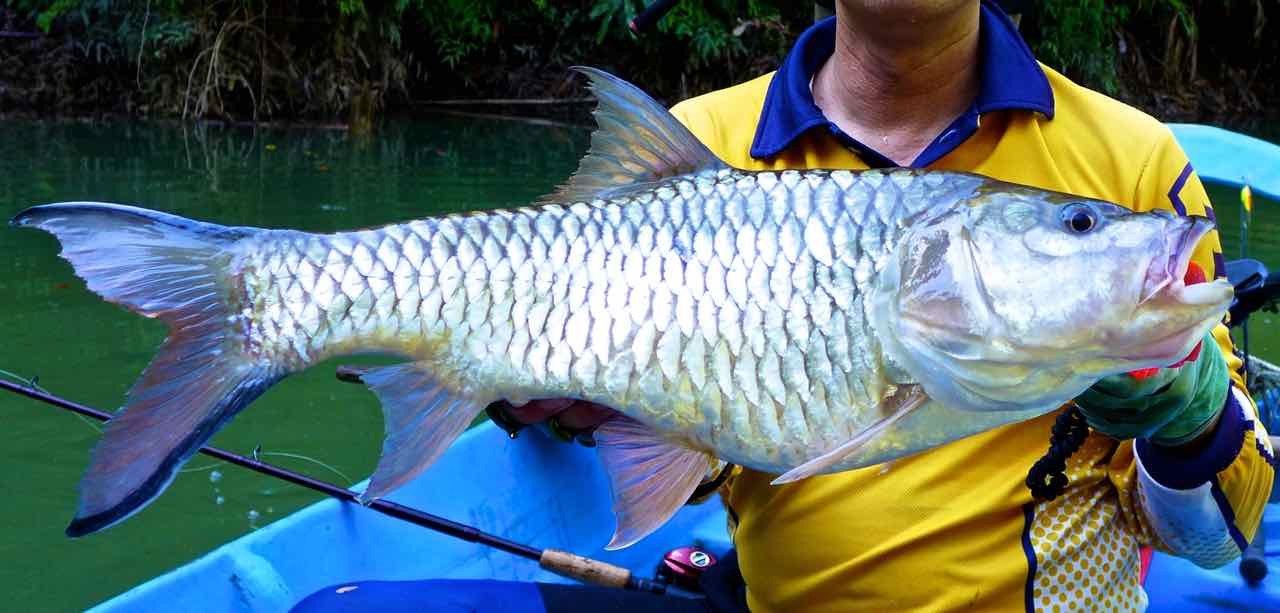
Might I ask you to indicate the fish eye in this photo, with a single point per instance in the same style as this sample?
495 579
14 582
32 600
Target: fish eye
1079 218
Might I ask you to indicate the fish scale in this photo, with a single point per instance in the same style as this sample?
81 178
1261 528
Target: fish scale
796 322
466 261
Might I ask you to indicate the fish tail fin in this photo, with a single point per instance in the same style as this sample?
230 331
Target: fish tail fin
175 270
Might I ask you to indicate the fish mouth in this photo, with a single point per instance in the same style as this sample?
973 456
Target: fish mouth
1171 278
1196 303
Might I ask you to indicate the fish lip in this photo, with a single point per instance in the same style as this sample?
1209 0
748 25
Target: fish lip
1179 246
1165 350
1200 227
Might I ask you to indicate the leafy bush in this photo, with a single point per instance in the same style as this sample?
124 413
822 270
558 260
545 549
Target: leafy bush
1079 36
251 59
1183 59
260 59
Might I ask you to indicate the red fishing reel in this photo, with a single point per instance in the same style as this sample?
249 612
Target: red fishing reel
683 566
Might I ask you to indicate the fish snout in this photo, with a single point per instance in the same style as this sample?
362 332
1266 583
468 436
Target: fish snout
1168 271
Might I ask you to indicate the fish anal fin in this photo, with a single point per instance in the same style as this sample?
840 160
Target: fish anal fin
650 477
637 142
894 408
422 417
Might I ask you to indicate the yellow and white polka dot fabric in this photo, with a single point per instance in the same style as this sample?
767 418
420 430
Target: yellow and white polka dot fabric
1086 558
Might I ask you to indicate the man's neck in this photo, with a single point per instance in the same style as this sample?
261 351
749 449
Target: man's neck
894 82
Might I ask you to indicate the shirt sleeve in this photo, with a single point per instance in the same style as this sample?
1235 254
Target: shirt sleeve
1204 506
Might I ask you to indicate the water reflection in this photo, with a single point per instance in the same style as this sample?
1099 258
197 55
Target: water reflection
246 175
92 351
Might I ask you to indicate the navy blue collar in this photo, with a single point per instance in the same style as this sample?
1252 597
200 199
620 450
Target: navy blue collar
1011 79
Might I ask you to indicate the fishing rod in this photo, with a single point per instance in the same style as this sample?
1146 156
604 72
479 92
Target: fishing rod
560 562
651 15
1253 561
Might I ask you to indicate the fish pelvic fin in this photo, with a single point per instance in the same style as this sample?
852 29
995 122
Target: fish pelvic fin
650 477
175 270
894 409
636 142
422 416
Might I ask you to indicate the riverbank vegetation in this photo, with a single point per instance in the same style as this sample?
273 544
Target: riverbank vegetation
351 61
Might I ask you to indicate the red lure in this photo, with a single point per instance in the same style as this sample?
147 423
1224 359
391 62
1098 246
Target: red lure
1194 275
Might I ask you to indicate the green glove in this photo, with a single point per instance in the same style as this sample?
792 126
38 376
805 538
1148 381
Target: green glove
1171 408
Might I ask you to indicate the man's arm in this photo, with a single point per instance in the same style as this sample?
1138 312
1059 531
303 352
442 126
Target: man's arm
1200 499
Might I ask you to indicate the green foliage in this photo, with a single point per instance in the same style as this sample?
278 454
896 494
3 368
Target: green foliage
1182 13
1079 37
44 12
460 28
711 32
259 59
298 58
108 31
1084 37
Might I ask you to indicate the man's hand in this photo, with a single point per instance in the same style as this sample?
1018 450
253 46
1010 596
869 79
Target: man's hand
575 415
1171 408
567 418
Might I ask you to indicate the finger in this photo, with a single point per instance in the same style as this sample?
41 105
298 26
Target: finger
538 410
584 415
549 404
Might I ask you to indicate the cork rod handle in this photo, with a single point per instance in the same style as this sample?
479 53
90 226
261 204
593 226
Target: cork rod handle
583 569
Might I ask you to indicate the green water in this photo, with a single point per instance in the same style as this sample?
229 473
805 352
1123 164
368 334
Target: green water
90 351
1263 244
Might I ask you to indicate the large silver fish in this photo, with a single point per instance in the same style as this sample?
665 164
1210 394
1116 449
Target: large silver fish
796 322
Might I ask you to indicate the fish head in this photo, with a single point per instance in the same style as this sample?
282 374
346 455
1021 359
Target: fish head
1022 298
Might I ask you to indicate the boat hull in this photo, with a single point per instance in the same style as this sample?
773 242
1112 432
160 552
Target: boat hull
533 490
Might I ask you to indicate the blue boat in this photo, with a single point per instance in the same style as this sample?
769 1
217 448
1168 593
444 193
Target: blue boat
545 493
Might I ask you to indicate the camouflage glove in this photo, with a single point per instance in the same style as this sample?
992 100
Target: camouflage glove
1171 407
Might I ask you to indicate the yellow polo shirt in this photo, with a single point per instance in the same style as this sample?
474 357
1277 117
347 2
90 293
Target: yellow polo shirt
955 527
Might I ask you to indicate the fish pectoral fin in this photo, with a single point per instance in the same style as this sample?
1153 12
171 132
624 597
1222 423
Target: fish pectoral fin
421 416
649 476
893 408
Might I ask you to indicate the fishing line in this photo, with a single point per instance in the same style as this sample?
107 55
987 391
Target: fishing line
33 383
200 469
651 15
298 456
563 563
283 454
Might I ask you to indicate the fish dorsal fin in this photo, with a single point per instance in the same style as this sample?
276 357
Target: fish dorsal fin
636 142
